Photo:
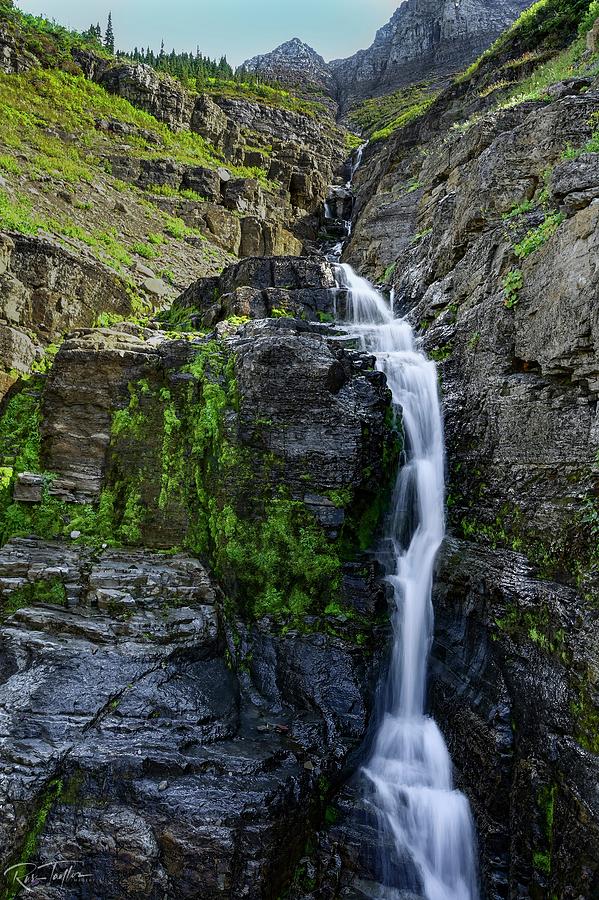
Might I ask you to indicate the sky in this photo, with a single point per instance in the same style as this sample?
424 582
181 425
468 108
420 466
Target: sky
238 28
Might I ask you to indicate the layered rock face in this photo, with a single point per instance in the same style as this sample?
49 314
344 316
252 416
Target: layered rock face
179 726
294 62
298 153
45 291
424 39
490 241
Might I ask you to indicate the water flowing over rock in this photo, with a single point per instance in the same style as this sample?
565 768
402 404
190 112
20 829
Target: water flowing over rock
514 670
423 824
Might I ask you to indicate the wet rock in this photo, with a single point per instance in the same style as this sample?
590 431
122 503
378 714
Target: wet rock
575 183
255 287
125 711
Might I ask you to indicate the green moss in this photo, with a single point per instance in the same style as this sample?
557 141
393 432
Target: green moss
570 551
441 354
586 715
536 626
51 591
542 862
29 848
284 565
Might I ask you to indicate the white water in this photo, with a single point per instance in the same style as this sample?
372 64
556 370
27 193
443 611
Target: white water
356 162
410 769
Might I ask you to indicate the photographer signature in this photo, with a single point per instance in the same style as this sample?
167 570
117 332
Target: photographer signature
30 876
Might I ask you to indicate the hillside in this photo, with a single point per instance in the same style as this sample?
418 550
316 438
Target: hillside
481 213
249 645
425 41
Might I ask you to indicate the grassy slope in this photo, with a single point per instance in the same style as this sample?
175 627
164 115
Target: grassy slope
541 47
379 117
55 160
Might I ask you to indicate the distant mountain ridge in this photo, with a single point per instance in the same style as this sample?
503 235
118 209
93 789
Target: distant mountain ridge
292 60
423 39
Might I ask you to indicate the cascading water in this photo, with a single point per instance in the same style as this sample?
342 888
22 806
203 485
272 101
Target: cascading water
409 772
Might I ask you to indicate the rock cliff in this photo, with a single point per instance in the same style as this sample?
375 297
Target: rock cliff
423 40
197 718
488 239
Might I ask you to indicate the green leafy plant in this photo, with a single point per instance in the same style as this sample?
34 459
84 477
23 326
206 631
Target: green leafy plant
512 285
536 237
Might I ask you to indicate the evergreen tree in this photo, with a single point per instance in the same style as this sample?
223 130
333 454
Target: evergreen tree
109 37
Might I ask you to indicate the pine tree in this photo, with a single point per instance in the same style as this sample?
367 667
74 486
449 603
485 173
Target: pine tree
109 37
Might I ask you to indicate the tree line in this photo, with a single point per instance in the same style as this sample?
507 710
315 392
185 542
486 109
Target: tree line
193 69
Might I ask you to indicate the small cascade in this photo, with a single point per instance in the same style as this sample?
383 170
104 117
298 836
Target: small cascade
338 211
424 826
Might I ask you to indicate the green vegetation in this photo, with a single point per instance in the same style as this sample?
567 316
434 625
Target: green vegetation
542 858
38 100
50 43
512 285
50 796
536 626
409 115
145 249
50 591
519 209
586 715
536 237
547 24
441 354
165 190
420 235
572 552
389 273
16 215
380 116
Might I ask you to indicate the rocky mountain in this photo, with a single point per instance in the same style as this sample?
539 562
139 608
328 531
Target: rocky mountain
489 240
423 40
294 62
197 456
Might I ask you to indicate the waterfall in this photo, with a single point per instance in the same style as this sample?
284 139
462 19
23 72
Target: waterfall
409 772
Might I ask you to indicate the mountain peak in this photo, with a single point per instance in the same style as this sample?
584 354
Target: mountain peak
293 62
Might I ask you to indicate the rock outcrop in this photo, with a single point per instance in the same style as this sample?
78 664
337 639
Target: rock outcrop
489 241
46 290
157 94
147 698
254 288
424 39
124 720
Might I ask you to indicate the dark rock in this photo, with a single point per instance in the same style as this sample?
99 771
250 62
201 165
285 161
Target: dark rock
255 287
28 488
